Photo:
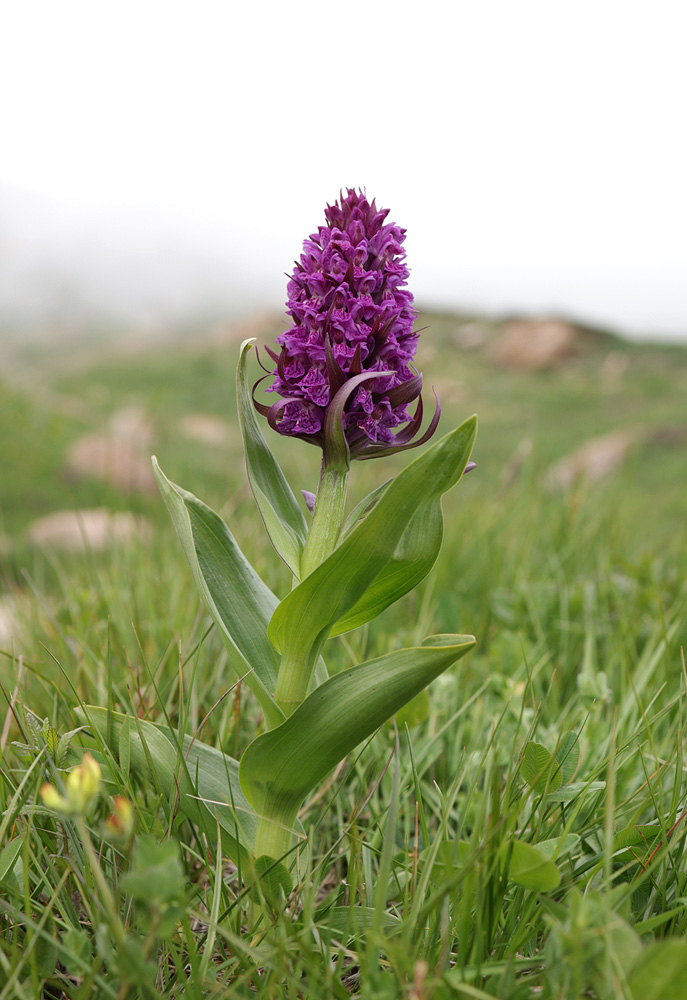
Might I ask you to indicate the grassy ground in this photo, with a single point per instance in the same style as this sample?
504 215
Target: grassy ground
578 601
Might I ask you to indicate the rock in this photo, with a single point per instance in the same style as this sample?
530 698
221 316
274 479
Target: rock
449 390
533 344
94 529
469 336
596 459
669 436
132 424
205 428
112 459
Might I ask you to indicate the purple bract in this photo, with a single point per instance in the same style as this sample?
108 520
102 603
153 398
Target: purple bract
347 357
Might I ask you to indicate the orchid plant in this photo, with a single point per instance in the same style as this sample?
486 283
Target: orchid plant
344 380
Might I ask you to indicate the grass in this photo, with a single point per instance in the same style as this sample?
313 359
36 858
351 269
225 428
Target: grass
578 602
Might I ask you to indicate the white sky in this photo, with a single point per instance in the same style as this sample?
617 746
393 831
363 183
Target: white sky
536 150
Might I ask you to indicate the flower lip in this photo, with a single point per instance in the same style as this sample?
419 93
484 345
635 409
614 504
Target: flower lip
352 317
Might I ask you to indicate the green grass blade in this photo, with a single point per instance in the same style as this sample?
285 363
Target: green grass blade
660 972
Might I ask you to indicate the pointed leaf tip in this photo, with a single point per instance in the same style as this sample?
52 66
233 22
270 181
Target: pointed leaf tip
279 768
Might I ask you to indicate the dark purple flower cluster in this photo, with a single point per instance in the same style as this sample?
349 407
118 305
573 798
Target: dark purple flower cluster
352 318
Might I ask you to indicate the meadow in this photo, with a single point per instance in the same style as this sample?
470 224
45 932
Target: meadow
519 832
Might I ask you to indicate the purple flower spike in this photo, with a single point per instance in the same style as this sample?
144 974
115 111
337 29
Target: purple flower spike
352 318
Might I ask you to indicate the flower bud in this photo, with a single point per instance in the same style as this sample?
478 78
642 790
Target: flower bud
82 786
52 799
120 825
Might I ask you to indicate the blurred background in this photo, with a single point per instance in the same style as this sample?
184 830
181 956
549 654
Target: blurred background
162 163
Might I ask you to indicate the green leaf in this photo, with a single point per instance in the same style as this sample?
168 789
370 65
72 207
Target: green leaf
45 950
306 616
125 747
413 712
362 509
413 558
8 858
204 785
540 769
568 793
531 868
557 846
567 754
280 767
643 835
278 507
157 875
75 953
272 881
238 601
660 973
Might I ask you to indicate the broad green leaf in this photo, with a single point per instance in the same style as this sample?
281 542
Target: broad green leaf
279 509
540 769
75 953
271 881
156 874
633 847
238 601
660 972
45 950
362 509
125 747
305 617
280 767
640 835
414 557
568 793
531 868
9 855
557 846
415 554
567 754
204 785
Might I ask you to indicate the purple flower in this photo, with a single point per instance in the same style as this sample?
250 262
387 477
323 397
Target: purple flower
344 370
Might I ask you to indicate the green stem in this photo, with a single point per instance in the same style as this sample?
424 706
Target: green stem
295 670
294 676
327 517
272 839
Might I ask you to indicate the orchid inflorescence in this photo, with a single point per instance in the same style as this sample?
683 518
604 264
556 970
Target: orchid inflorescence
352 343
344 375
